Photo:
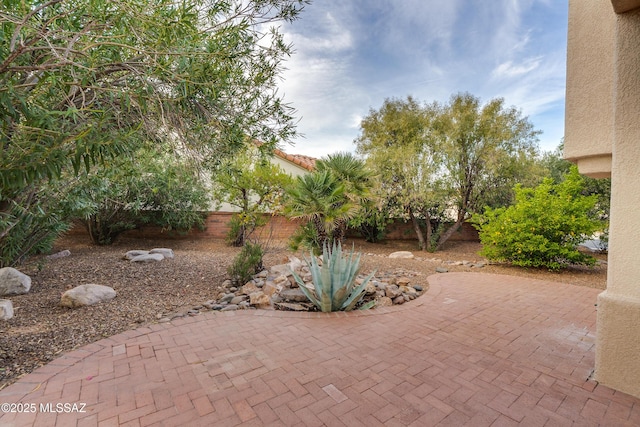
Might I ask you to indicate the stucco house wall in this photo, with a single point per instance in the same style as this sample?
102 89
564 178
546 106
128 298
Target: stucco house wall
603 137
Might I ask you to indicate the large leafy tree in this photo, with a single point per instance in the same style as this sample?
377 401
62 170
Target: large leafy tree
84 80
447 161
401 148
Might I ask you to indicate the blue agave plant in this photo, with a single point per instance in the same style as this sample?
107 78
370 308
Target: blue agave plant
334 281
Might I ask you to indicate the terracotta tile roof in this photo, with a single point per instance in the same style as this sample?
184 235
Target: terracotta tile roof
306 162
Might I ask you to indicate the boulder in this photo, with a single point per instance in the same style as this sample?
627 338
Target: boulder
148 258
259 299
13 282
295 295
441 270
6 309
271 288
249 288
165 252
86 295
409 290
237 300
402 254
134 253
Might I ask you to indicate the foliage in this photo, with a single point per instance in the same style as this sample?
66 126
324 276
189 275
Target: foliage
86 81
247 263
558 169
327 199
543 227
319 199
371 221
306 236
152 189
253 185
334 282
456 157
30 224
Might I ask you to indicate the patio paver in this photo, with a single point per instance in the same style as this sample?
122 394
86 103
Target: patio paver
476 349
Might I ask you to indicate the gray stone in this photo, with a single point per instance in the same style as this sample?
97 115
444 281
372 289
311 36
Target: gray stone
165 252
230 307
86 295
409 290
13 282
263 274
441 270
418 288
370 289
295 295
403 281
227 297
134 253
164 320
243 305
60 254
147 258
402 254
399 300
478 265
237 300
6 309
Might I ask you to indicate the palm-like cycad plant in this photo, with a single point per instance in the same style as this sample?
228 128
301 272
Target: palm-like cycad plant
319 198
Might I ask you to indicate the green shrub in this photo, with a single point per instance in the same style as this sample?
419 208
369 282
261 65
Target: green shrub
543 228
334 282
247 263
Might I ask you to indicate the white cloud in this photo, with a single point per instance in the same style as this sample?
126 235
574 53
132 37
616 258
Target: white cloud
509 69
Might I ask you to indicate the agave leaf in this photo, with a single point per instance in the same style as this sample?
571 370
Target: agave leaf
368 305
305 290
325 297
316 277
357 294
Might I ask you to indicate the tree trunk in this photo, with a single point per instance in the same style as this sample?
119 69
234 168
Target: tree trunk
416 227
445 236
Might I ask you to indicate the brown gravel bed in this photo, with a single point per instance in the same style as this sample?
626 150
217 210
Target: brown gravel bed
41 330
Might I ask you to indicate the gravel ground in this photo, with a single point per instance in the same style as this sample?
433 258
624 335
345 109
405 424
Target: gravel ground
41 330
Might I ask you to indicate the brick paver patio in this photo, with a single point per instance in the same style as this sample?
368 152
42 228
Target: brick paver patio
476 349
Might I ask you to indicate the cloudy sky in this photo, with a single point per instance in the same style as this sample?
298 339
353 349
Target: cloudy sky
352 54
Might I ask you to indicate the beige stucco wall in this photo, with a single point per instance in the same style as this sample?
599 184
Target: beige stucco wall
603 65
590 62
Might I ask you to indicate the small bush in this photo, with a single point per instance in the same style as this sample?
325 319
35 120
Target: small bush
247 263
543 228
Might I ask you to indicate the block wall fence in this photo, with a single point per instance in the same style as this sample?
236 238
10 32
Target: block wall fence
279 228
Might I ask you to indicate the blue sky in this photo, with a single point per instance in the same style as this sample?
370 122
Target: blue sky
352 54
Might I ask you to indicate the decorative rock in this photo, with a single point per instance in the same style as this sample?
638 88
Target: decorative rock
295 295
370 289
243 305
280 270
271 288
227 297
164 320
13 282
259 299
165 252
86 295
60 254
399 300
418 288
402 254
478 265
441 270
403 281
237 300
147 258
209 304
227 283
249 288
230 307
384 302
291 307
263 274
134 253
392 291
408 290
281 280
6 309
